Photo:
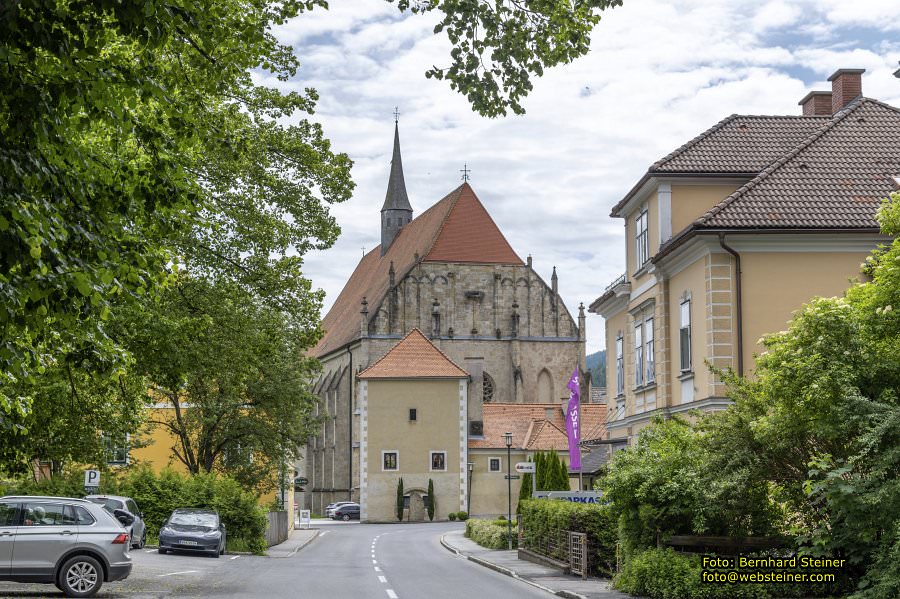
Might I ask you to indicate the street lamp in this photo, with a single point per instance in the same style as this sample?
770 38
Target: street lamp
508 438
471 467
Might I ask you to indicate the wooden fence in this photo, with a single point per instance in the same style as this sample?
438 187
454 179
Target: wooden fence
277 528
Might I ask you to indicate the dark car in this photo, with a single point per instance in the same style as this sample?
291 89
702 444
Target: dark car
192 529
349 511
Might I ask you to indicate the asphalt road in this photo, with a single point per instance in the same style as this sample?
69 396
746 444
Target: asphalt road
347 561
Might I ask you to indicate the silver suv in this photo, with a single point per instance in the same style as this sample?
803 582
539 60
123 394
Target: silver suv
138 530
72 543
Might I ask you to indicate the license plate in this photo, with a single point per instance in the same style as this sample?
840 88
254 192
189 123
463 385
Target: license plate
189 542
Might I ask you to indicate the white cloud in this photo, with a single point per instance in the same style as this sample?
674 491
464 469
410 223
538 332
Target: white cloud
658 74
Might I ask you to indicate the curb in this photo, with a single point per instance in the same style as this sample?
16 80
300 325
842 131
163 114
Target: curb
508 572
298 547
148 546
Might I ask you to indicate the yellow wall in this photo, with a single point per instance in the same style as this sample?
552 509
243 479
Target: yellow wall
388 427
159 442
489 489
777 284
653 232
692 280
689 202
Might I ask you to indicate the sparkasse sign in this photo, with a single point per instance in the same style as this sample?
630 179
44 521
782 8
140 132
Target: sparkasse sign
573 496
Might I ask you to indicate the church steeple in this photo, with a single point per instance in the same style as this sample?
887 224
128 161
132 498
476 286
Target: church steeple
396 211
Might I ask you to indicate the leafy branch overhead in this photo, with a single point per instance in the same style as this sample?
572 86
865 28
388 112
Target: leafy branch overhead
499 47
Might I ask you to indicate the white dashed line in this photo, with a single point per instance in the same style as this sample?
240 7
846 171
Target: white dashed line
176 573
322 534
236 556
377 569
391 593
374 562
151 551
382 580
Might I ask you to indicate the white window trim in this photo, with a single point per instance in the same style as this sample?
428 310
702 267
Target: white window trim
383 469
690 341
431 460
641 258
620 364
499 461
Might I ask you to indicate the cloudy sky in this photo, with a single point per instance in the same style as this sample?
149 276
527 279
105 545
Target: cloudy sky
658 73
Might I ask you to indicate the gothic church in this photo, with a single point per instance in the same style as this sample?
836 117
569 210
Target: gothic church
452 274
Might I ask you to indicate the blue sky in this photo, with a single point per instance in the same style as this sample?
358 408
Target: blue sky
658 74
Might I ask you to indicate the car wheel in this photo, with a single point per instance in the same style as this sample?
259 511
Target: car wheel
80 576
141 542
163 551
345 517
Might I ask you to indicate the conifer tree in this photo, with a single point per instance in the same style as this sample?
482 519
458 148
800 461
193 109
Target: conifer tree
400 499
430 505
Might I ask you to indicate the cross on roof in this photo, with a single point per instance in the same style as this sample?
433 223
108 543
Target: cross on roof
465 170
396 114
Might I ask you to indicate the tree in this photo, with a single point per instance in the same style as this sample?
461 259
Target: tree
399 506
430 505
232 371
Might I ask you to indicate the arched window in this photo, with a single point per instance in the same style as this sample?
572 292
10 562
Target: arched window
545 387
487 388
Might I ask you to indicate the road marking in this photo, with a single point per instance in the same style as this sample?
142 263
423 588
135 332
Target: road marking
323 533
151 551
382 580
176 573
236 556
374 562
377 569
391 594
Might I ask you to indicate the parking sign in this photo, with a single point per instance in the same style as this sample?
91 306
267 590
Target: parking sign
91 479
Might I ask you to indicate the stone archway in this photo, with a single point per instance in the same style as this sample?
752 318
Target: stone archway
416 511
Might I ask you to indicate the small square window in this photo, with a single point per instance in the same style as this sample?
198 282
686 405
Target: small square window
389 460
494 464
412 414
439 461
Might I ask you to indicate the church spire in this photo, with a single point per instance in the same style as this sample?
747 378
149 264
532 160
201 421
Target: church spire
396 211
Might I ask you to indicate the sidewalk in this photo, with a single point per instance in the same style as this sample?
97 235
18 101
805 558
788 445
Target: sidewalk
544 577
297 540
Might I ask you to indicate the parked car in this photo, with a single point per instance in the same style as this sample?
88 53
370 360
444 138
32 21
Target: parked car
72 543
138 530
329 509
348 511
193 529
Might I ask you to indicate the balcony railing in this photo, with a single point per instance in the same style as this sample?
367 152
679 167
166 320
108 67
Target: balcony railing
619 281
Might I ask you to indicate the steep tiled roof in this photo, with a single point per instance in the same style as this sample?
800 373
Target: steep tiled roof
530 426
414 356
740 144
835 179
456 229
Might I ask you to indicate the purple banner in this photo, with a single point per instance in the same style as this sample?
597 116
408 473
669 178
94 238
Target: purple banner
573 423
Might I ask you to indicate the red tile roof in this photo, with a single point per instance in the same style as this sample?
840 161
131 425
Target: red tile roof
532 429
456 229
414 356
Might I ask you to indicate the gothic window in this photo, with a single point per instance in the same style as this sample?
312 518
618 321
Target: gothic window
545 387
487 388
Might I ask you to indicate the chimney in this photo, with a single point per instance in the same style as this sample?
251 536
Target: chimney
846 85
816 104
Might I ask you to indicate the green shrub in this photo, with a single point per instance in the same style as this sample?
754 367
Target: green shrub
463 516
544 519
452 516
490 534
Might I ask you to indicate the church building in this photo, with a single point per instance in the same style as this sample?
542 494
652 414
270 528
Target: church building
450 273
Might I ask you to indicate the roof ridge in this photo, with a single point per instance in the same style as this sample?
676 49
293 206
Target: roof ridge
415 331
691 142
379 360
836 119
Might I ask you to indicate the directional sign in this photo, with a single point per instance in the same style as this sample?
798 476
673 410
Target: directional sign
525 467
301 481
92 479
512 477
573 496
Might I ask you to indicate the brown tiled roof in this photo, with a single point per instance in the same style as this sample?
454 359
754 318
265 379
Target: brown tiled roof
414 356
530 426
740 144
835 179
456 229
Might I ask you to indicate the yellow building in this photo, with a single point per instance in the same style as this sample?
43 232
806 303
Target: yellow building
730 234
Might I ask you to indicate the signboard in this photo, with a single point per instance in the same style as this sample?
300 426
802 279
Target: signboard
91 480
525 467
512 477
573 496
305 518
302 481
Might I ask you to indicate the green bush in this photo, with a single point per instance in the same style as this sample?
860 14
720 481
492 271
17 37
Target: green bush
490 534
452 516
548 519
463 516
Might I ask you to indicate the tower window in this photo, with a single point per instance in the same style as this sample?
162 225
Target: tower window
412 414
487 388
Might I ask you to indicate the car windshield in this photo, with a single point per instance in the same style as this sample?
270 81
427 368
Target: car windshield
194 519
110 504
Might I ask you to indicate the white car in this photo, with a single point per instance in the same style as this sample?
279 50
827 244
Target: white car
329 509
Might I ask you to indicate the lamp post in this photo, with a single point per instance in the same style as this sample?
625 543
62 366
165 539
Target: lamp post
471 467
508 438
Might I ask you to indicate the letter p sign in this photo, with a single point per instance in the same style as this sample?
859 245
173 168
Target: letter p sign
91 479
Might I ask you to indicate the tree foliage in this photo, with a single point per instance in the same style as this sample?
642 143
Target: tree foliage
399 504
430 505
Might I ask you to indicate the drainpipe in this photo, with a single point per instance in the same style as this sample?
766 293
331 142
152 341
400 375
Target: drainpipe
350 430
738 304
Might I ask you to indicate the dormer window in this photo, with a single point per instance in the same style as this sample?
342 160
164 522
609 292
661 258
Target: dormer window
641 239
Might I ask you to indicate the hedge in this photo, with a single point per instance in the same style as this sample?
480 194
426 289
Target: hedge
158 495
544 519
490 533
667 574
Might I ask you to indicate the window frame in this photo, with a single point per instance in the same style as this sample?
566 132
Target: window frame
431 455
499 464
384 454
642 238
649 355
413 414
620 365
685 309
639 353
